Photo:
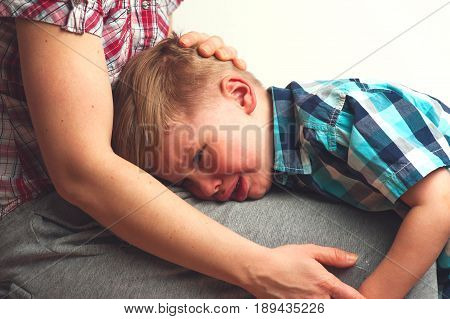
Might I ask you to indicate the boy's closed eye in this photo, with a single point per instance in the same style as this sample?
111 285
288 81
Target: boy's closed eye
196 163
198 159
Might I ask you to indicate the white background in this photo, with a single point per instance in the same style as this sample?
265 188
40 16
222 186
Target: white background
286 40
114 308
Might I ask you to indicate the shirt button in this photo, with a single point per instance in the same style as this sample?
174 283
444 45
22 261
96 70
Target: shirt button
129 10
76 2
145 5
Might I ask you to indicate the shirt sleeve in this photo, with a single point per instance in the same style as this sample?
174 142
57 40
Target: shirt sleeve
399 136
77 16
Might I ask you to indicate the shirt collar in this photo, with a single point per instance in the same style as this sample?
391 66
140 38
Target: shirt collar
286 131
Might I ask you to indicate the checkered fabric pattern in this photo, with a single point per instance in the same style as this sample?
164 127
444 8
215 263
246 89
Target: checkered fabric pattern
126 27
361 143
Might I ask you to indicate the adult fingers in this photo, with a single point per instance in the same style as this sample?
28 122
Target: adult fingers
239 63
333 256
193 38
339 290
226 53
210 46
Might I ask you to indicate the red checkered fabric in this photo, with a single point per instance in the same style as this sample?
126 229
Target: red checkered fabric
126 27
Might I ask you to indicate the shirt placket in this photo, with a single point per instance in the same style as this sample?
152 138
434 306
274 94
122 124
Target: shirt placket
128 5
145 28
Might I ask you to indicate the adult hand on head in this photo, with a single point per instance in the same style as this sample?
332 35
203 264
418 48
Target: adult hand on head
296 271
212 45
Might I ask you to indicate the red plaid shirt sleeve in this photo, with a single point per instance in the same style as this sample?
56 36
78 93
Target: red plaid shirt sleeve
126 27
72 15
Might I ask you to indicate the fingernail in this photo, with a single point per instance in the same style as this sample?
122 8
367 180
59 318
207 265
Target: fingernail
352 257
224 53
206 49
243 64
185 41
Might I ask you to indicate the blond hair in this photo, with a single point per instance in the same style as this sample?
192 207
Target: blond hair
157 87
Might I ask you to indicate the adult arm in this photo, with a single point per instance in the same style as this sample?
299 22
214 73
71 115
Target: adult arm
70 103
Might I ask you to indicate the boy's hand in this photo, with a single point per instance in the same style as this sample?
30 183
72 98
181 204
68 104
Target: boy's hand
212 45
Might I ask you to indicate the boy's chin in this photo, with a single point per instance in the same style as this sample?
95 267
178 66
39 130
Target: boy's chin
260 193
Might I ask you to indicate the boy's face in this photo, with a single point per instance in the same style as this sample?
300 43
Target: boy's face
224 153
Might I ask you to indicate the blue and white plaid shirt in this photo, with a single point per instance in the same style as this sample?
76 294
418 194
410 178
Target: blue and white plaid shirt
362 143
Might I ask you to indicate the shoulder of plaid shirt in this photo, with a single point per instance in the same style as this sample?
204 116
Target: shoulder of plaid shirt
364 143
356 133
125 30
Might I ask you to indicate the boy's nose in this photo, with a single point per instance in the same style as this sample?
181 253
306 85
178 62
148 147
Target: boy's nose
208 185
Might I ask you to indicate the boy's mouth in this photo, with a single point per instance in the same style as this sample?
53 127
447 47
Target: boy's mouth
240 190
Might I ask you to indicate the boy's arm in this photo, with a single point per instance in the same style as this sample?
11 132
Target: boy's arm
420 239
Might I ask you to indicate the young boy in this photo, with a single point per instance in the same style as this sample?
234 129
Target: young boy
216 131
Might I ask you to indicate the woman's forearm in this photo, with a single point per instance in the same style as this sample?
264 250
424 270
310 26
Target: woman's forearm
143 212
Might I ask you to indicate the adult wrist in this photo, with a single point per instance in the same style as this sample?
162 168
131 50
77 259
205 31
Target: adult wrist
253 266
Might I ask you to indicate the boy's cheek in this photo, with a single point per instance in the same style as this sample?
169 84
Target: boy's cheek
251 162
260 186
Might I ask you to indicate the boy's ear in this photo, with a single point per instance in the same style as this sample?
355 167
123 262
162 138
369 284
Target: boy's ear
241 90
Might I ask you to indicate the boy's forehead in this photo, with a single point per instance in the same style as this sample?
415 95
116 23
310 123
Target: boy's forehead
180 134
192 133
